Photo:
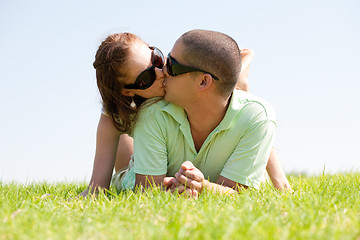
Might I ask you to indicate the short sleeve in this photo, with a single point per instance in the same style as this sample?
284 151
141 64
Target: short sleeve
248 161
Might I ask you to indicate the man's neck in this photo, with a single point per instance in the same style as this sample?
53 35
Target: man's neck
204 117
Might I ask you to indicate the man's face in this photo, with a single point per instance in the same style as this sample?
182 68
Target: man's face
178 89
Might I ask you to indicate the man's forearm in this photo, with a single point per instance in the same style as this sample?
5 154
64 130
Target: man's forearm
147 181
209 186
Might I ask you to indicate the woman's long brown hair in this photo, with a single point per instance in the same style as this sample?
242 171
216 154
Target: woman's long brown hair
110 58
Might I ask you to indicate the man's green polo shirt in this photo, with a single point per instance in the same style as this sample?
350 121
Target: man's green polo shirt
237 149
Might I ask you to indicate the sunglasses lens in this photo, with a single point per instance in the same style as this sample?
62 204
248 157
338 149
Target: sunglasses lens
158 58
169 66
146 79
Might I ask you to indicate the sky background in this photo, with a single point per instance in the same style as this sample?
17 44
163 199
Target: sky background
307 64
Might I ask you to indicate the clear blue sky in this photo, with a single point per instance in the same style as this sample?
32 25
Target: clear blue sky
307 61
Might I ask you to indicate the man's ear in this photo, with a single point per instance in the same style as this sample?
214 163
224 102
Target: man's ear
127 92
206 81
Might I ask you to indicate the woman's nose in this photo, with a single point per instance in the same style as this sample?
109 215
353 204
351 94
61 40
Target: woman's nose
159 73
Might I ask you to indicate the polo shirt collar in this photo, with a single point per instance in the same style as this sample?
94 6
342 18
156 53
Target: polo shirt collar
178 113
233 109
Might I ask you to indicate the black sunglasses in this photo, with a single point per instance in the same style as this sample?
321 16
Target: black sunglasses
147 77
174 68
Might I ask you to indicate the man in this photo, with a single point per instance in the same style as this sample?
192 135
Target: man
205 135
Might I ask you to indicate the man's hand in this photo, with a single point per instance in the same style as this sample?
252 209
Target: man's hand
170 183
190 177
190 181
173 185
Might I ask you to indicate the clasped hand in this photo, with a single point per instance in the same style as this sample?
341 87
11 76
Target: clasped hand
188 179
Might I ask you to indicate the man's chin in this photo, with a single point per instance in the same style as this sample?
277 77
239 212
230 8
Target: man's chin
162 94
167 97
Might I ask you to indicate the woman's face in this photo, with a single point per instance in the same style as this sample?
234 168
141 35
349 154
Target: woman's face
139 59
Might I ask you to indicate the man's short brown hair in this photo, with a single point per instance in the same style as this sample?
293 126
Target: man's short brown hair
216 53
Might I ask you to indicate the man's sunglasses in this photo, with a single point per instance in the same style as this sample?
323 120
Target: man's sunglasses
147 77
174 68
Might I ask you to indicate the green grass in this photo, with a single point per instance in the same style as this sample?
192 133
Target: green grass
322 207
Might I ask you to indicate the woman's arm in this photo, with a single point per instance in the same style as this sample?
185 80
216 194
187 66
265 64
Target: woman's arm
107 141
276 173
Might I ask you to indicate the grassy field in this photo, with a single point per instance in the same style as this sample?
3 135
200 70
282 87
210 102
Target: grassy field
322 207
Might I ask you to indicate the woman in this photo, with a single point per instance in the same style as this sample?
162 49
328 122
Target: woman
128 72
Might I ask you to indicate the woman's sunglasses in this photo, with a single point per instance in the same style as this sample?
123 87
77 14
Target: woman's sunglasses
147 77
174 68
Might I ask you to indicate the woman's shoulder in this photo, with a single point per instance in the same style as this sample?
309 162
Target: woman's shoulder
150 112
